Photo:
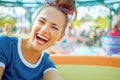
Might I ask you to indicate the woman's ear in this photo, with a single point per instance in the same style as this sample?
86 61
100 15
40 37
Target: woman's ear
61 37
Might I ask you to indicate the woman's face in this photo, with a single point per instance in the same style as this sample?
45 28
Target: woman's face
47 28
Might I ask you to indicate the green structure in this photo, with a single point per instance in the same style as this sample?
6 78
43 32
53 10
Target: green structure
32 5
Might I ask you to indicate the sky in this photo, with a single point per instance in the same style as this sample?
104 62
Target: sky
94 11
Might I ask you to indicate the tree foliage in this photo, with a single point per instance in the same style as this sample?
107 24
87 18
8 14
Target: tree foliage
103 22
7 20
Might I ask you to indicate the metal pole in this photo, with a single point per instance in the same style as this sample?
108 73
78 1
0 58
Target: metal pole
110 20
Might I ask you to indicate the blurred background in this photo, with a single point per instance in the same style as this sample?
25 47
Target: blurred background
87 35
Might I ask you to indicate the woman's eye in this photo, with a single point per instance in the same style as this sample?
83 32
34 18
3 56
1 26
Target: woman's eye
41 21
55 28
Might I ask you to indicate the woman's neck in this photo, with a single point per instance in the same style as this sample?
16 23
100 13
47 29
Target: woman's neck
29 53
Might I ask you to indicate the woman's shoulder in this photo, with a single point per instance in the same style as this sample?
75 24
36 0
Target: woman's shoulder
46 54
7 40
7 37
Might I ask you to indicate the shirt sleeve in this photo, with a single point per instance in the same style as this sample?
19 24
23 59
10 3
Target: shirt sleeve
2 60
49 65
4 48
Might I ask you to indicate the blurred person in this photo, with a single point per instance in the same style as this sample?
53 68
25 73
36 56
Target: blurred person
8 30
1 30
25 58
114 40
81 36
116 30
92 37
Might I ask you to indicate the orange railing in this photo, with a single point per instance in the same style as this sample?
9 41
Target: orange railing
86 60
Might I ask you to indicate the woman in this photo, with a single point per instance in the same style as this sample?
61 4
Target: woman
25 59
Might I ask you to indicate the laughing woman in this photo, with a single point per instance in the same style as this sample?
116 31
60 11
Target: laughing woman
25 59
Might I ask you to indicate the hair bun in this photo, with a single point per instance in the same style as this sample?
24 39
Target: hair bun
68 3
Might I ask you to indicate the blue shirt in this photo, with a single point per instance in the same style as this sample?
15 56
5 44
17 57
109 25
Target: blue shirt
16 67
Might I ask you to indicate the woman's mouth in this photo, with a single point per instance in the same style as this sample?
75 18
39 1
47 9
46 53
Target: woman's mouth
41 39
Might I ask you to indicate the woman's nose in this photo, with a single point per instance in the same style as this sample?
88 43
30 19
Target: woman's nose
45 28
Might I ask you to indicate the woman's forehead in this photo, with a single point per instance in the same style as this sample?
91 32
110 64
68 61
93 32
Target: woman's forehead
52 14
51 11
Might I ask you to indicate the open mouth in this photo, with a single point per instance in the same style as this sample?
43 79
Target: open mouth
41 39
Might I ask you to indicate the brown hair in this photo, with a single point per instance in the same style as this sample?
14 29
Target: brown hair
69 3
117 25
